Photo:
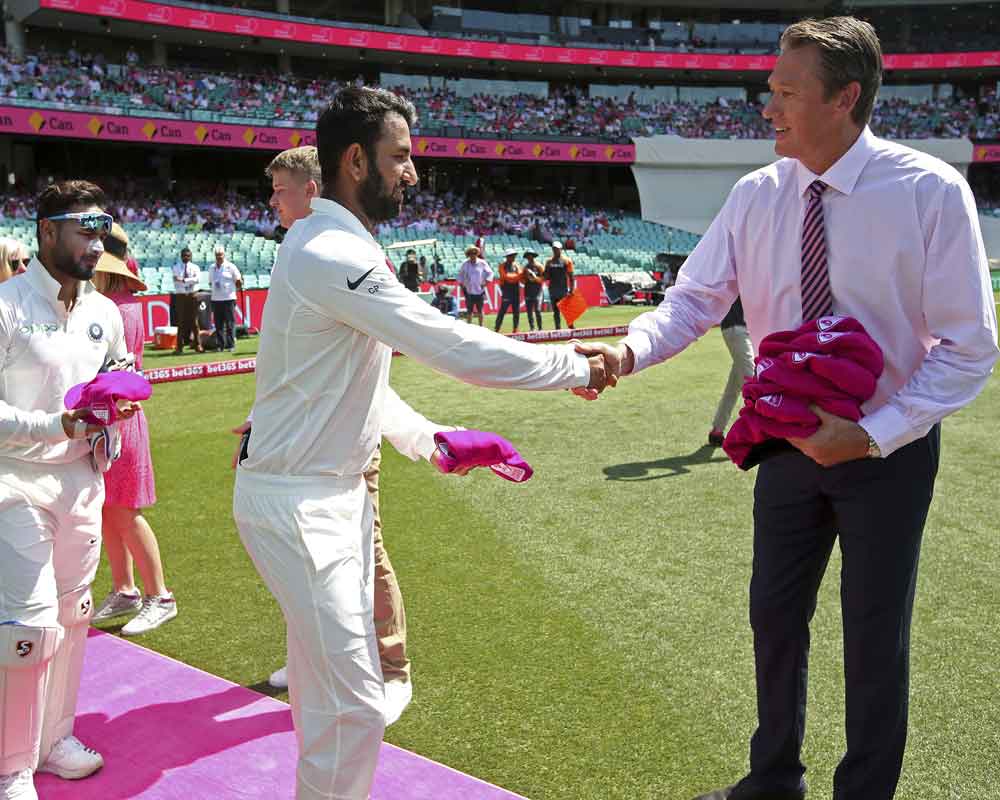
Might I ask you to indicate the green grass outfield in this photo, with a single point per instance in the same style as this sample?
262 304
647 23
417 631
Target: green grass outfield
584 636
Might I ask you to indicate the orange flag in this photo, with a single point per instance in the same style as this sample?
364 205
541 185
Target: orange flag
572 306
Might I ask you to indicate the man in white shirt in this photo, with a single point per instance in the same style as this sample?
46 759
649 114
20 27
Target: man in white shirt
851 225
187 275
473 276
224 278
295 180
334 314
56 331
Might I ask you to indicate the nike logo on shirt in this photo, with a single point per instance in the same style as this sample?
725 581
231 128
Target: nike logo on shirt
352 285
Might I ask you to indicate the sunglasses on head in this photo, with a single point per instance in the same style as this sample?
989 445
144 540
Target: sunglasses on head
89 220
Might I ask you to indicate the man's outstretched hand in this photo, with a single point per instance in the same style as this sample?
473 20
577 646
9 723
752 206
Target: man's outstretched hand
607 363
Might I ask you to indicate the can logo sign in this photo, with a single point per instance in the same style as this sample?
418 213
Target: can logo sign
23 648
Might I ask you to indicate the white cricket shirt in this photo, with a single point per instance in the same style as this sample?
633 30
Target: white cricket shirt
334 314
44 351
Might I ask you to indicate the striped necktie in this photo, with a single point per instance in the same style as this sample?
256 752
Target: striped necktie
817 301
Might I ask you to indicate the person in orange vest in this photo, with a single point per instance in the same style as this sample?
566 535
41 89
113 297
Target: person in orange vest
559 271
533 278
509 276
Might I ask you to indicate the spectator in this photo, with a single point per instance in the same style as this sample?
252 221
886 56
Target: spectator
509 276
187 274
410 273
14 258
734 333
129 485
533 277
559 272
473 276
225 279
444 302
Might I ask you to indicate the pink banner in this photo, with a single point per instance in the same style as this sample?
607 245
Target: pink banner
80 125
495 149
986 152
333 36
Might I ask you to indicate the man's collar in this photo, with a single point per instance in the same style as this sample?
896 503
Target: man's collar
331 208
49 288
844 174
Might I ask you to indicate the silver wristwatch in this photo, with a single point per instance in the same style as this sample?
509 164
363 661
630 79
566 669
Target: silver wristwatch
874 451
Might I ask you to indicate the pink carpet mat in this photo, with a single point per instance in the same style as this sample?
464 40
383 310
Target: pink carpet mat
172 732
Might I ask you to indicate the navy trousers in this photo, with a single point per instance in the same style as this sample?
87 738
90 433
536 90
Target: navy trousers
876 508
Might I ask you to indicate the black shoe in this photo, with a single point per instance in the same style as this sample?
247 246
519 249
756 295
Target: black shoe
735 793
718 794
716 438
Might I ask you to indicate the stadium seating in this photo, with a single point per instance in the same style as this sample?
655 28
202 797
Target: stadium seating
52 79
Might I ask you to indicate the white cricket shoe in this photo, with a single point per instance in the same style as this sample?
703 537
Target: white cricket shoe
117 604
18 786
154 612
398 695
71 759
279 678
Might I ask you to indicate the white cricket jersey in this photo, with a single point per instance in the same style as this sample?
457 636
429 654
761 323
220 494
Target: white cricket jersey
223 280
44 351
334 314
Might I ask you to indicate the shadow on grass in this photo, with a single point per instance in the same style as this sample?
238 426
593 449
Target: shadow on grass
664 467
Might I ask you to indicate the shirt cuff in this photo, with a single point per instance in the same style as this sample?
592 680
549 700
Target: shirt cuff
641 351
889 428
581 370
51 430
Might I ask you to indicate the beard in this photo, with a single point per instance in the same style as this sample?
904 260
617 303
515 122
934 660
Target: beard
82 269
377 203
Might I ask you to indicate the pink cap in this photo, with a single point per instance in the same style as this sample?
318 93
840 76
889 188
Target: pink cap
481 449
102 393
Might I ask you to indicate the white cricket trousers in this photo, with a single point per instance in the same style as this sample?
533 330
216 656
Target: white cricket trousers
50 546
311 539
741 349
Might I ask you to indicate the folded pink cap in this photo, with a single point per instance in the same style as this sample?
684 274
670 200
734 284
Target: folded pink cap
102 393
855 345
795 410
843 374
481 449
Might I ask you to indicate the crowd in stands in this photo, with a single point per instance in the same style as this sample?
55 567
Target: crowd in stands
86 79
478 212
481 212
205 207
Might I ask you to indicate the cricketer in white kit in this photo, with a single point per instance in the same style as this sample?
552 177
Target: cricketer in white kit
56 330
334 314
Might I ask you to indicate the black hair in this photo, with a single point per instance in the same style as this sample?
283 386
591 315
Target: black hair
356 116
63 196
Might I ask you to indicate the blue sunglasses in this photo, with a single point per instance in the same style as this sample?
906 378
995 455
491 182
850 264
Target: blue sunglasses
90 220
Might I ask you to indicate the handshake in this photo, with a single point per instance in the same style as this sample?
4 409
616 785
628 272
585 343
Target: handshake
607 363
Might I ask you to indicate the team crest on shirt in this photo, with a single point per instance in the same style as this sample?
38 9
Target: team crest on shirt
95 332
23 648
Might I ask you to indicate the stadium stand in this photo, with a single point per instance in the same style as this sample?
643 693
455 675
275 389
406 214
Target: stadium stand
86 81
919 28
